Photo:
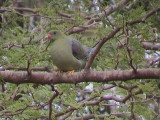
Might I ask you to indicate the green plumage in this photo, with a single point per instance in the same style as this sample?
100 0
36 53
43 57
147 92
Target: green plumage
66 53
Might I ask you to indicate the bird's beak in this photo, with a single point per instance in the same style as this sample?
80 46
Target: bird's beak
48 36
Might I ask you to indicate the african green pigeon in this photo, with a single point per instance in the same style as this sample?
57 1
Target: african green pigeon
67 53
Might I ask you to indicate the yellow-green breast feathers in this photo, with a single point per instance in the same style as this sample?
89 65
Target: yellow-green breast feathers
66 54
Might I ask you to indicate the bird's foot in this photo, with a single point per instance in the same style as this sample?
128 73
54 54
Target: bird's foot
58 71
70 72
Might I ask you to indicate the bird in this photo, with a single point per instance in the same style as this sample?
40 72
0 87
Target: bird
67 54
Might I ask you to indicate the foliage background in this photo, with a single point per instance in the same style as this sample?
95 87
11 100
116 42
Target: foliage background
18 45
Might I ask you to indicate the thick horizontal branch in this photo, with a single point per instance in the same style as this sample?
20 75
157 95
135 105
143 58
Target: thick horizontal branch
84 76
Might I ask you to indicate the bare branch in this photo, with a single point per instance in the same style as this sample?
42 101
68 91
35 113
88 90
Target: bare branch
87 117
18 9
109 10
28 66
100 44
155 61
66 116
80 28
64 14
149 46
143 20
71 109
13 95
25 69
56 93
129 50
77 77
91 116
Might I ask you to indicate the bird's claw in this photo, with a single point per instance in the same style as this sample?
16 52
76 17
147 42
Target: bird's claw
70 72
58 72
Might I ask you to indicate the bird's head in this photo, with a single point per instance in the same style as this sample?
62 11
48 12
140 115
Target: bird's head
54 35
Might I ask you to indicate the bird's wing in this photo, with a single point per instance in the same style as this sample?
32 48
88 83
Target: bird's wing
78 50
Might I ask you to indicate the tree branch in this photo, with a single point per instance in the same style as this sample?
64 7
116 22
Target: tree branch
109 10
91 116
100 44
56 93
143 20
18 9
25 69
150 46
77 77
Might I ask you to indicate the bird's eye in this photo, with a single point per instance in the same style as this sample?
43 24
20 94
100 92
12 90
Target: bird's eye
54 33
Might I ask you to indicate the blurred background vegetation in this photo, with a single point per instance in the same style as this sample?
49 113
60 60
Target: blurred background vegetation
22 35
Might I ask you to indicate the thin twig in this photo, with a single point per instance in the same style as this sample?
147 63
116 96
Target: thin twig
55 94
